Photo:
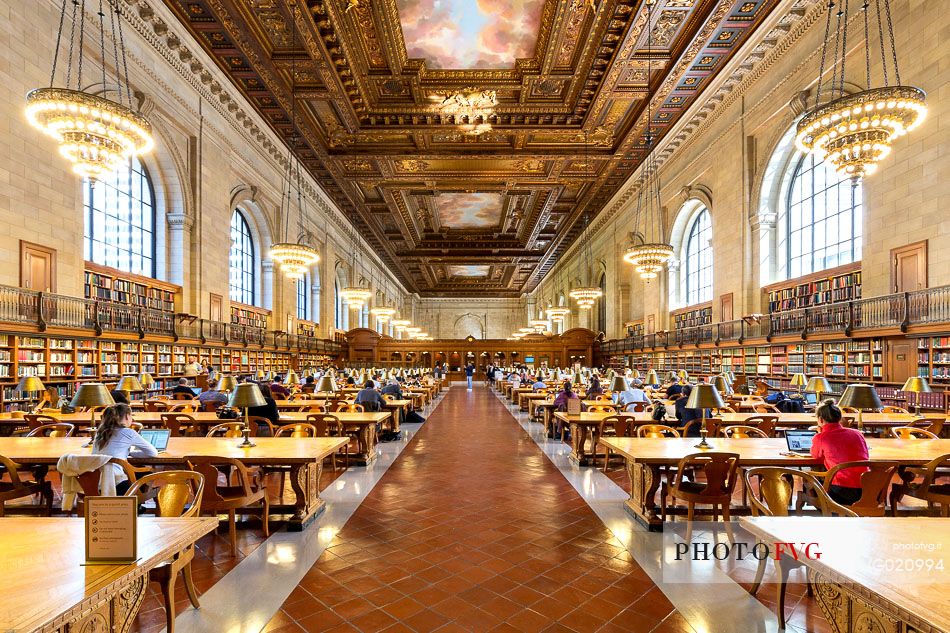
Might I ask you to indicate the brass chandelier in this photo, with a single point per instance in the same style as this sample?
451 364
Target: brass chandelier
356 296
94 133
383 313
557 314
586 296
855 132
651 255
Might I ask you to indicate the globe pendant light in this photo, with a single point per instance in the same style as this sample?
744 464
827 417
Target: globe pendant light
94 133
294 258
854 132
650 255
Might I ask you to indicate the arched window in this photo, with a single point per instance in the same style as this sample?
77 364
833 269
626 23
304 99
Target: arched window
699 259
341 311
119 213
303 297
602 305
820 224
241 260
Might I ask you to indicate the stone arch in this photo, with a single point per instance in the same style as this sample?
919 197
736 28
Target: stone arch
469 324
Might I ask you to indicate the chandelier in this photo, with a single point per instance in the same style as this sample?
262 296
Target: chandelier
294 258
411 332
539 325
557 314
854 132
356 296
586 297
383 313
470 109
95 134
400 325
650 255
518 334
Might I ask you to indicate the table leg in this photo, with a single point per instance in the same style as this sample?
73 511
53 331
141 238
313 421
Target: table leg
579 436
644 481
366 446
547 421
305 481
116 612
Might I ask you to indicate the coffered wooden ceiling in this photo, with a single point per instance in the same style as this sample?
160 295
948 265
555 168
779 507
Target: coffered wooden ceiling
452 212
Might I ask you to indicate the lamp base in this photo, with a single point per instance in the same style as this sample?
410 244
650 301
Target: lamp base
246 444
703 444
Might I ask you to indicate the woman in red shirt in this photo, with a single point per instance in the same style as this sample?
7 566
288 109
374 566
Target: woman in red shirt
836 444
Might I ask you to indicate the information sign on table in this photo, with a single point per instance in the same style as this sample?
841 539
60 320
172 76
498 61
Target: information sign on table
111 530
573 406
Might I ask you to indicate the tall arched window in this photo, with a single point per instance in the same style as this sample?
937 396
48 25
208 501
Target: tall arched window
602 304
341 312
241 260
303 297
699 259
119 213
822 219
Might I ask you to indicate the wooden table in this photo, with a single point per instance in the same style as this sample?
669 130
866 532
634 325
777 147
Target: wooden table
861 581
648 457
525 400
46 587
304 456
584 426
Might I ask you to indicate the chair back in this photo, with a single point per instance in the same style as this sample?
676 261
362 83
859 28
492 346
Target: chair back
388 397
136 426
174 421
622 425
601 408
211 405
934 425
58 429
720 470
875 482
296 430
36 420
90 481
182 407
766 408
348 407
765 423
314 408
156 405
656 431
742 432
774 489
259 424
324 425
912 433
636 407
226 429
602 398
929 488
182 396
208 465
893 409
177 493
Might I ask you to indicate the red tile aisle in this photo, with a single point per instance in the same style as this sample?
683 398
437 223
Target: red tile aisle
474 529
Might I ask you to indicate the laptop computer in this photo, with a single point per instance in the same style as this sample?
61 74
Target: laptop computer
799 441
811 398
196 391
157 438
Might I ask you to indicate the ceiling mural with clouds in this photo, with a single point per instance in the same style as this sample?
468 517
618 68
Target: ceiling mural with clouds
469 210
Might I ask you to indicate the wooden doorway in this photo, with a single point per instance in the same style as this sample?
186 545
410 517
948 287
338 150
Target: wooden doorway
37 267
909 267
901 362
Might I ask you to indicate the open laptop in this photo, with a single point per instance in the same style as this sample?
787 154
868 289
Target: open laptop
799 441
196 391
157 438
811 398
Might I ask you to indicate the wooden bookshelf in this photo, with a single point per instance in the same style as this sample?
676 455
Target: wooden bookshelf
306 328
933 359
692 316
634 328
110 284
828 286
250 316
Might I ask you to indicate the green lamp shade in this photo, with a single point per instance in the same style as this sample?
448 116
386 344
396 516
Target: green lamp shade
860 397
326 385
227 383
246 395
799 380
818 384
291 378
704 396
92 394
652 378
719 382
618 383
129 383
29 384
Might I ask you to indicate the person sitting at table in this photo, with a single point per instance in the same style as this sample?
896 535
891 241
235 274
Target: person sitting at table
674 389
594 389
350 381
114 438
370 398
268 409
278 389
566 393
633 393
212 394
835 444
309 385
685 416
182 387
538 383
393 389
119 396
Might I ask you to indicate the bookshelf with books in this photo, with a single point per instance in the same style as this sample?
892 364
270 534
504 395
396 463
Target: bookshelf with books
249 316
692 316
6 356
102 282
933 359
634 328
62 359
828 286
306 328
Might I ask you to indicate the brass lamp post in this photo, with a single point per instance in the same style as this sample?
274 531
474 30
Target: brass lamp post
129 384
799 380
918 385
818 385
92 394
704 396
860 397
244 396
28 385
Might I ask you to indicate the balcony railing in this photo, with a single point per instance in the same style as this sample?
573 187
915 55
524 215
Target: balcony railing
44 310
901 311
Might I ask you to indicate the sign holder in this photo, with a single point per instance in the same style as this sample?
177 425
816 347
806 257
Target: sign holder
111 530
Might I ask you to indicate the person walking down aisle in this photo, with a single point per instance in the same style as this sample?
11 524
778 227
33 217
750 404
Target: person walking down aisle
469 373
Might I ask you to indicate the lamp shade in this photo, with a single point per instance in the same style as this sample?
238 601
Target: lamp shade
146 379
704 396
652 378
719 382
32 383
799 380
860 397
682 374
291 378
246 395
618 383
227 383
129 383
917 384
635 373
326 385
818 384
92 394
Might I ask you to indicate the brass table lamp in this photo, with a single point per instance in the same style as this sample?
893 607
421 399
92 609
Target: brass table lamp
227 383
28 385
683 376
702 397
652 378
918 385
635 374
147 382
618 383
128 384
799 380
91 394
818 385
720 383
244 396
860 397
326 385
291 378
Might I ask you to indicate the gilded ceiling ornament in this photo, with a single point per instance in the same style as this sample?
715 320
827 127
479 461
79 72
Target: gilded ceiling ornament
412 165
666 26
471 107
529 164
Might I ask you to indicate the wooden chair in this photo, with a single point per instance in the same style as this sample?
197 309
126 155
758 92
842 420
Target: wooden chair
178 423
327 425
850 410
773 496
742 432
636 407
18 488
388 397
184 407
766 408
712 427
228 498
177 493
226 429
912 433
157 406
212 405
928 489
720 470
313 408
601 408
765 423
348 407
602 398
893 409
300 429
656 431
89 482
261 426
875 482
57 429
34 420
136 426
183 396
620 427
934 425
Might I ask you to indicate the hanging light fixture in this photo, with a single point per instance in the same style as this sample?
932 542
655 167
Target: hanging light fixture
557 314
383 313
539 325
356 296
650 255
294 258
400 325
586 296
855 132
94 133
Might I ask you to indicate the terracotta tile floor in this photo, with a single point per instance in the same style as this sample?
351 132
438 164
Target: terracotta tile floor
473 529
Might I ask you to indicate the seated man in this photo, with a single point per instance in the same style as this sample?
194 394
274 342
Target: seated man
182 387
278 389
212 394
309 385
538 383
369 398
392 388
633 393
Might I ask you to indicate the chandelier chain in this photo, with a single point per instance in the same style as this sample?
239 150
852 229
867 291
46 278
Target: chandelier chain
72 41
890 30
115 53
880 33
837 56
82 34
102 43
125 63
824 53
844 47
867 47
59 37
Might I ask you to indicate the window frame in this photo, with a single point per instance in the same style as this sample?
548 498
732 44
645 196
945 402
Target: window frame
695 267
244 290
302 289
